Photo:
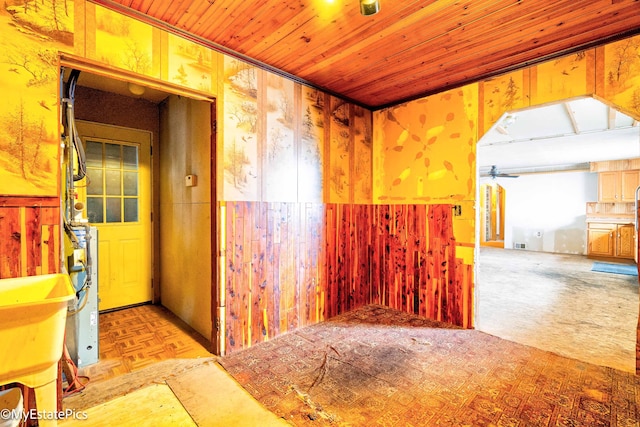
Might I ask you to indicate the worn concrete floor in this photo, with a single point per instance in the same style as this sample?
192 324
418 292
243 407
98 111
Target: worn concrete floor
555 302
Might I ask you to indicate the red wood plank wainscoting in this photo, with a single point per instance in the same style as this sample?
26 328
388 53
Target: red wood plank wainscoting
29 236
294 264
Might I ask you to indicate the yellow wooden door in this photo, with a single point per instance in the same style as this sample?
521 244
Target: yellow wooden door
117 196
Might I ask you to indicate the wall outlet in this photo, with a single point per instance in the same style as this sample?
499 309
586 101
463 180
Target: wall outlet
190 180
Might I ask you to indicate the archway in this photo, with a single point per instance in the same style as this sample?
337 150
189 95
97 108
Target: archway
552 171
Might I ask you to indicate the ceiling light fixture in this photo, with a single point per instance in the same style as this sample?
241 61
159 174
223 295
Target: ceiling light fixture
135 89
369 7
510 119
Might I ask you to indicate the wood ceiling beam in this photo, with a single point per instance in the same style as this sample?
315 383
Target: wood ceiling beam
572 118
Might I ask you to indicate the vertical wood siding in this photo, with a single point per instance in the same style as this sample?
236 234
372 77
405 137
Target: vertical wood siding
29 236
295 264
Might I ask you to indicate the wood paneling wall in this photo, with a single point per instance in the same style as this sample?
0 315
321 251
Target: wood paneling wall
273 260
294 264
184 239
29 236
401 256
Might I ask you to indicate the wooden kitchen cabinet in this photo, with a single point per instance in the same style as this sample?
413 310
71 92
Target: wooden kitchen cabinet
629 181
618 186
601 240
625 241
608 186
611 240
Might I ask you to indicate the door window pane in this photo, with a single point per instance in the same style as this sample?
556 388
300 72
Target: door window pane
93 154
130 183
94 181
112 156
130 156
113 184
95 207
130 210
114 210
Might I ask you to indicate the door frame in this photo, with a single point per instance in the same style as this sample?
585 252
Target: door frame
217 331
498 198
69 61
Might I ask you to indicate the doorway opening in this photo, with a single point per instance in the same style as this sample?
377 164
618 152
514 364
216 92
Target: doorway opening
118 104
537 288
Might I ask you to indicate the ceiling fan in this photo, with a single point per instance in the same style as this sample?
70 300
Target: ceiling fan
493 173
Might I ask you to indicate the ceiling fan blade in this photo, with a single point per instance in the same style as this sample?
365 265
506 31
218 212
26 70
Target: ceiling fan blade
493 173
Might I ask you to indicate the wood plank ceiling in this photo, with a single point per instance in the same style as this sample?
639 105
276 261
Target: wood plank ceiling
411 48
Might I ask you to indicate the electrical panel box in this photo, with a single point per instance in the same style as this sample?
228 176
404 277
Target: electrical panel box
82 321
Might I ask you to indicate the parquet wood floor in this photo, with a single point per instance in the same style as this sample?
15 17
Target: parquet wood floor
134 338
